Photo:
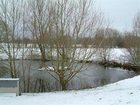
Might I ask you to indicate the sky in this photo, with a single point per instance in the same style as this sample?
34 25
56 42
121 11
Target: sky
119 13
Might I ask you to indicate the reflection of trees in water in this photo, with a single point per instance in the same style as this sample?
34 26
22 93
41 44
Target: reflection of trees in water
42 85
3 70
42 81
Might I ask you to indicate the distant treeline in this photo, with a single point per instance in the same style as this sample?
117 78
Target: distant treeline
109 38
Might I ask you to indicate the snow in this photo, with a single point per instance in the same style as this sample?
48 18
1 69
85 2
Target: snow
46 68
125 92
115 54
9 79
119 55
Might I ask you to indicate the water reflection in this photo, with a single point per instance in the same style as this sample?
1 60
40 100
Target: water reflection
94 76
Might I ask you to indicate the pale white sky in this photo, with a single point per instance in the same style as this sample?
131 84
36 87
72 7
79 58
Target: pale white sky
120 13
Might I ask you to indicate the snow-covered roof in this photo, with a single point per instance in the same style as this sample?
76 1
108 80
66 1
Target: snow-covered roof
11 79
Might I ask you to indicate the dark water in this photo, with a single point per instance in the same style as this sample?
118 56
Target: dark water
94 76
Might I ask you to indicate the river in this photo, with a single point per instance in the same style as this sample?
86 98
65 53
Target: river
95 75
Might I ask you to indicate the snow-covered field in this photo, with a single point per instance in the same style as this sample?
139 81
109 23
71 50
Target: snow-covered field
114 54
126 92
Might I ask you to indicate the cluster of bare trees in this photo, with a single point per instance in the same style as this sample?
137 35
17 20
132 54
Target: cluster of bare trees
133 42
55 27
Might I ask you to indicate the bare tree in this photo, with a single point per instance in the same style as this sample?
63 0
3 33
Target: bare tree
132 42
25 70
102 41
69 21
10 16
39 18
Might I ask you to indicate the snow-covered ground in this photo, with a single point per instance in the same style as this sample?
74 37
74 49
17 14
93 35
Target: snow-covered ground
125 92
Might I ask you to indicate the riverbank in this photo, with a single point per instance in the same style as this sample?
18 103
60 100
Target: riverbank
127 66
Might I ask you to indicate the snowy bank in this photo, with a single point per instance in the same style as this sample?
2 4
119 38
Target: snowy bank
125 92
114 54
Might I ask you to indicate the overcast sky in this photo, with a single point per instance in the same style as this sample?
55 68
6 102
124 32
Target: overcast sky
120 13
